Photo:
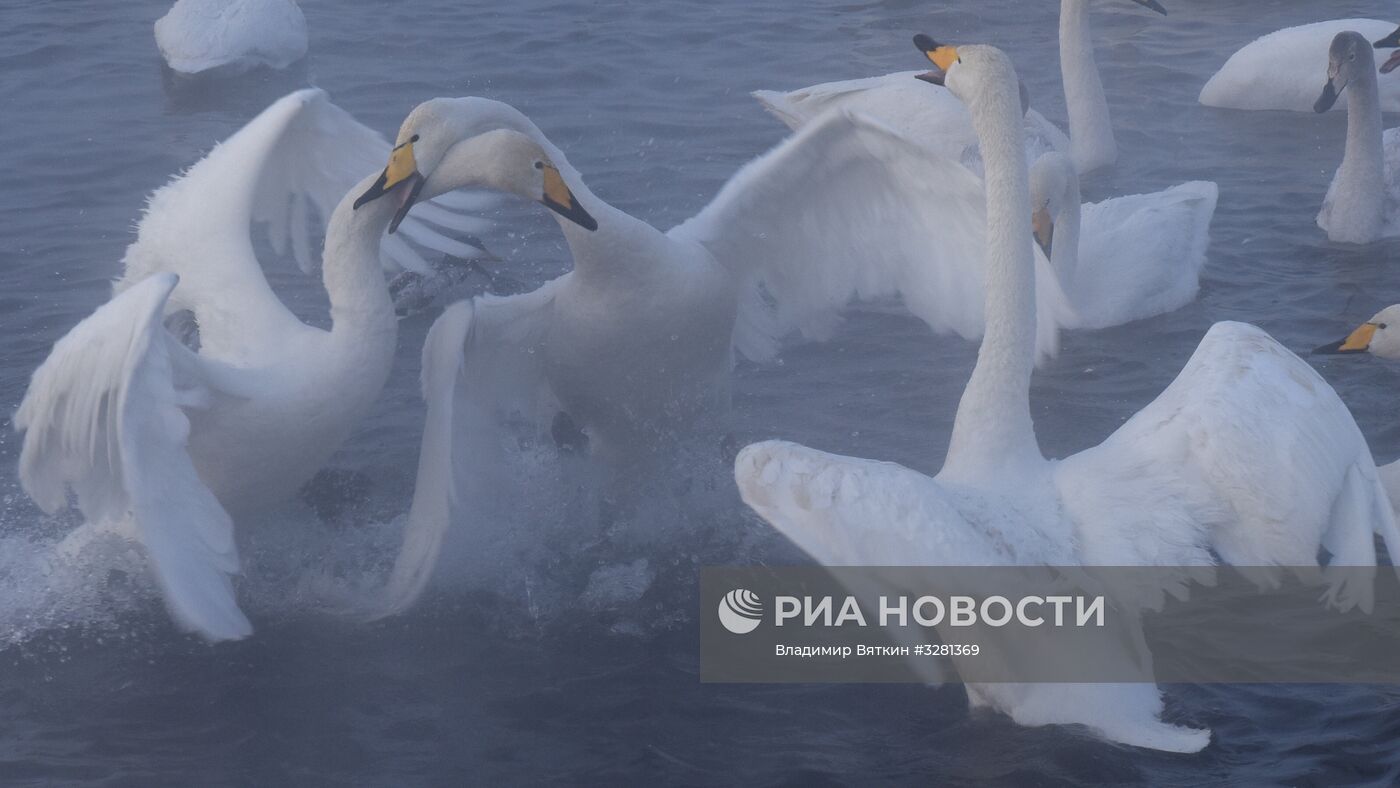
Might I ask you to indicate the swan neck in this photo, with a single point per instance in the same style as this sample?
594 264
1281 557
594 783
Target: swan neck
993 426
1064 249
1363 163
351 270
1090 130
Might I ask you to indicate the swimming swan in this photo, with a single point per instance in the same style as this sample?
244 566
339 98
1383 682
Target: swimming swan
637 341
162 442
1380 337
1125 258
236 35
1248 453
1277 71
1363 202
938 119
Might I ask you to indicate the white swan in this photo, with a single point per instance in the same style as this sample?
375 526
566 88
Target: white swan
1248 453
236 35
637 341
1380 337
163 442
1363 202
938 119
1125 258
1277 71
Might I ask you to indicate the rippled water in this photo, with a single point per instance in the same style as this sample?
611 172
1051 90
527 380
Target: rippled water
578 665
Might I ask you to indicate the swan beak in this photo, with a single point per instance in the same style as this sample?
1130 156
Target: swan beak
1358 341
940 55
1152 4
1391 63
1327 99
559 199
1044 228
402 169
1392 40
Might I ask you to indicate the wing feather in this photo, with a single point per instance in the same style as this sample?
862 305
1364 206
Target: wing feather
105 417
847 209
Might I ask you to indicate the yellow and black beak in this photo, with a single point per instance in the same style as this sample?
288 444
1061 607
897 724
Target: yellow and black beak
940 55
559 199
1358 341
1044 228
402 169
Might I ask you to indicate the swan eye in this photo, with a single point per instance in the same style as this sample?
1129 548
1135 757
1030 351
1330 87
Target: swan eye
539 165
414 138
1380 326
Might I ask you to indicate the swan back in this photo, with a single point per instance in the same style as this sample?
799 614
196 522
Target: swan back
1282 70
200 35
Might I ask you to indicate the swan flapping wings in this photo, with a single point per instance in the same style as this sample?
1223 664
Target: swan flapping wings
284 172
107 416
848 209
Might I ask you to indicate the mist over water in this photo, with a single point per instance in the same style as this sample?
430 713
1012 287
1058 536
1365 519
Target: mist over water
557 642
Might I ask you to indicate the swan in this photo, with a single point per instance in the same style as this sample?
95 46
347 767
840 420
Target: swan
236 35
1125 258
165 443
940 120
1380 337
1248 455
1363 202
636 343
1276 71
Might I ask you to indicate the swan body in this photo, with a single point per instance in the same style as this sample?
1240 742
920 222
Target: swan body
636 343
938 119
1248 454
1125 258
1280 70
236 35
167 441
1363 201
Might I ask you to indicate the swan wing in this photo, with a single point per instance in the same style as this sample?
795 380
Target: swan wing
482 367
283 172
1287 68
1141 255
846 511
105 416
847 208
1248 453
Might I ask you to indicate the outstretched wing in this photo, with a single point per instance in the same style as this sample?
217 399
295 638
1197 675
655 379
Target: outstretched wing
847 208
481 371
285 171
1248 452
105 417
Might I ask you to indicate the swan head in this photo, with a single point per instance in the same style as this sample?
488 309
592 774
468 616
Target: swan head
1390 42
1379 336
968 72
1348 60
1054 187
448 144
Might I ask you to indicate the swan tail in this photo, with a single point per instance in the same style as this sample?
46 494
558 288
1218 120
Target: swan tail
105 417
435 491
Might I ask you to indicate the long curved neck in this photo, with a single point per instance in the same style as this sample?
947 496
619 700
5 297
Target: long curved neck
993 426
360 302
1359 192
1090 130
1064 250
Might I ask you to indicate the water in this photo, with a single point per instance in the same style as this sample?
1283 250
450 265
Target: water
554 671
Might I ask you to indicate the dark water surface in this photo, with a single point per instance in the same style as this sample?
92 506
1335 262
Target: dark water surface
578 664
